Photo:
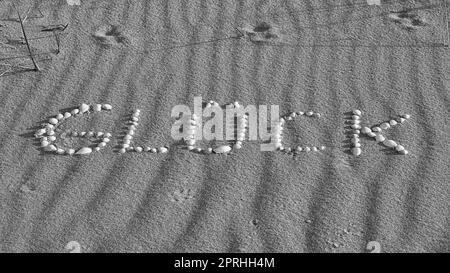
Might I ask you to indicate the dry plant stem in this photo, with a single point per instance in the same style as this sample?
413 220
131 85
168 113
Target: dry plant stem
447 42
57 41
36 67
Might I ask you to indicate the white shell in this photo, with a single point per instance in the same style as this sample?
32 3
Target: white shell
70 151
371 134
385 126
222 149
40 132
75 111
52 138
357 112
390 143
407 116
309 113
60 151
59 116
356 151
138 149
84 151
356 126
307 149
163 150
84 108
366 130
44 143
53 121
402 120
393 122
101 144
380 138
376 129
98 107
107 107
67 115
399 148
50 148
106 140
153 150
404 152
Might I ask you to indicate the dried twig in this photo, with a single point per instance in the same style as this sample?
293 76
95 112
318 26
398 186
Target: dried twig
36 67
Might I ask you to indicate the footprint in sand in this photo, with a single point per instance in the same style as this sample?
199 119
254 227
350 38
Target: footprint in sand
262 32
181 196
408 19
110 35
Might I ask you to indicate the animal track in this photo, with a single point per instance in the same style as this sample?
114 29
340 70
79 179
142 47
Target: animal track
180 196
110 35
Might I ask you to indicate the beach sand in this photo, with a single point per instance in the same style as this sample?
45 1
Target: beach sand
164 53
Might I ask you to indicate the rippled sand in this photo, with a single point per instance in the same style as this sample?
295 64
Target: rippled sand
162 53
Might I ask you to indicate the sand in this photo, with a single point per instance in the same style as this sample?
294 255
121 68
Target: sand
158 54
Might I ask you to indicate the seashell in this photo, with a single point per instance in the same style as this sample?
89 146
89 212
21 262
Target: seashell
60 151
407 116
399 148
356 126
84 151
84 108
99 134
237 146
366 130
222 149
59 116
356 117
309 113
356 151
82 134
404 152
393 122
125 145
53 121
209 150
380 138
70 151
138 149
44 143
385 126
90 134
190 147
164 150
300 113
50 148
40 132
106 140
97 149
371 134
122 151
307 149
108 135
314 149
322 148
134 119
390 143
106 106
52 138
97 107
376 129
401 120
75 111
101 145
357 112
50 133
153 150
357 145
67 115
